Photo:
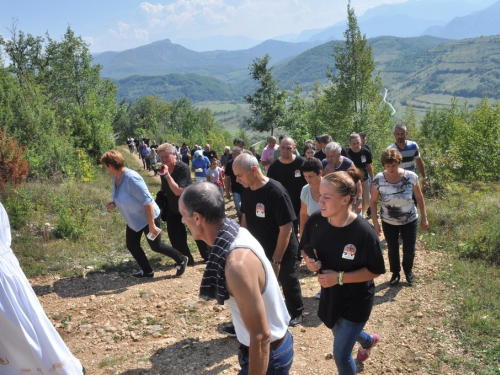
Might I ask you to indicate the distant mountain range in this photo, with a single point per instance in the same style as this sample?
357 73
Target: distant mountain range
424 70
443 18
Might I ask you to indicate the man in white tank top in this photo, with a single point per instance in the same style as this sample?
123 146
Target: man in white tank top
239 274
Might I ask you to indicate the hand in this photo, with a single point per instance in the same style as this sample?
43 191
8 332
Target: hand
164 170
110 206
312 265
357 207
276 268
376 226
153 229
425 184
328 278
228 196
424 223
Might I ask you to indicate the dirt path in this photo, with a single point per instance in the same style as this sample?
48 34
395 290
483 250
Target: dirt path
118 325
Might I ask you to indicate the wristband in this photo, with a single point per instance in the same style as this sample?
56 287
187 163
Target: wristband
339 278
276 261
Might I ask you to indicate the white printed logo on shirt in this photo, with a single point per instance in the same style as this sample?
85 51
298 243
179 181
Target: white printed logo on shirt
297 173
260 210
349 252
363 159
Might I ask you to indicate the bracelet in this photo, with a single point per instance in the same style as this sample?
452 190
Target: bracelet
276 261
339 278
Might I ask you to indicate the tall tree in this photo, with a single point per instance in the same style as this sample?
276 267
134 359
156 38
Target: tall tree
354 97
268 103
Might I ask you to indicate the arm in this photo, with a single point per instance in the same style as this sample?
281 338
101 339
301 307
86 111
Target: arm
329 278
373 208
421 168
281 245
245 279
227 186
424 223
243 221
303 216
359 194
369 168
150 214
176 189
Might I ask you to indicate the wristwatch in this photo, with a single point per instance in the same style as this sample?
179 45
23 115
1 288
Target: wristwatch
426 178
360 199
276 261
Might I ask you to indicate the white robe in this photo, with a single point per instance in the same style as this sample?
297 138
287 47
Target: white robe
29 344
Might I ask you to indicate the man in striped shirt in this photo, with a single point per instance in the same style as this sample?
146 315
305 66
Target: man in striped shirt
410 153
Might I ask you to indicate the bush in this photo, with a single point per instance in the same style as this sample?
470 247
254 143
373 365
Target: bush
13 163
18 207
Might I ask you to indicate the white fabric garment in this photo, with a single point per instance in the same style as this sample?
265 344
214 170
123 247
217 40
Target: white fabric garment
28 341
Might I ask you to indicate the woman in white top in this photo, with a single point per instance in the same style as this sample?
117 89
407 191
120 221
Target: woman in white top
312 170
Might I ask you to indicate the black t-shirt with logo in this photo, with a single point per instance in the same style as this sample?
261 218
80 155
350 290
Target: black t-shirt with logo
266 209
290 176
361 159
347 249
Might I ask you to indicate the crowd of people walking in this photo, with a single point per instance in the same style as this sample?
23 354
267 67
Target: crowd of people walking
291 209
309 208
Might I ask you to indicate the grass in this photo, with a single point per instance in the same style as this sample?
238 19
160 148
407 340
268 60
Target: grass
110 362
94 237
464 224
473 277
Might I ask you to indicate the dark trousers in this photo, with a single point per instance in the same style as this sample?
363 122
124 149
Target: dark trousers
148 163
178 237
409 237
290 284
133 241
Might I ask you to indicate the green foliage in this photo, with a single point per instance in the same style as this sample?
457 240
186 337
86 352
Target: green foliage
268 103
59 97
169 87
462 144
18 207
353 101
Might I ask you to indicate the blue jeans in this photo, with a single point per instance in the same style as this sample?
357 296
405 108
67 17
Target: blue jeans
280 360
409 237
346 334
237 205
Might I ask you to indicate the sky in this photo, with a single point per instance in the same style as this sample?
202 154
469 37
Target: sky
117 25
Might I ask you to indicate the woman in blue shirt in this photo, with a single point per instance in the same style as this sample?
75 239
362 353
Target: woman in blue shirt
141 213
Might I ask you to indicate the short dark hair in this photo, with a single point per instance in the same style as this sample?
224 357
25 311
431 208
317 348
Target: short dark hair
241 141
312 165
362 135
206 199
325 138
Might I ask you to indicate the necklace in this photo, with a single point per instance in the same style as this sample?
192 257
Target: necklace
345 222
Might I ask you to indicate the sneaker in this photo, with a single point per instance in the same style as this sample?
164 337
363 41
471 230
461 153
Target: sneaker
181 267
140 274
229 330
363 353
296 321
394 279
318 295
410 277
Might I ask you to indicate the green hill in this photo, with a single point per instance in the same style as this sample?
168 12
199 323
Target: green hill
175 86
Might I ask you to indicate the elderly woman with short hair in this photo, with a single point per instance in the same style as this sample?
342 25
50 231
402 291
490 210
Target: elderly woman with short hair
395 186
141 213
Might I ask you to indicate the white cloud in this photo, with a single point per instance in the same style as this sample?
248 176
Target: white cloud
258 19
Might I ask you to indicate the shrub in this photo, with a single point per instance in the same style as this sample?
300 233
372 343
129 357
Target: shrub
13 163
